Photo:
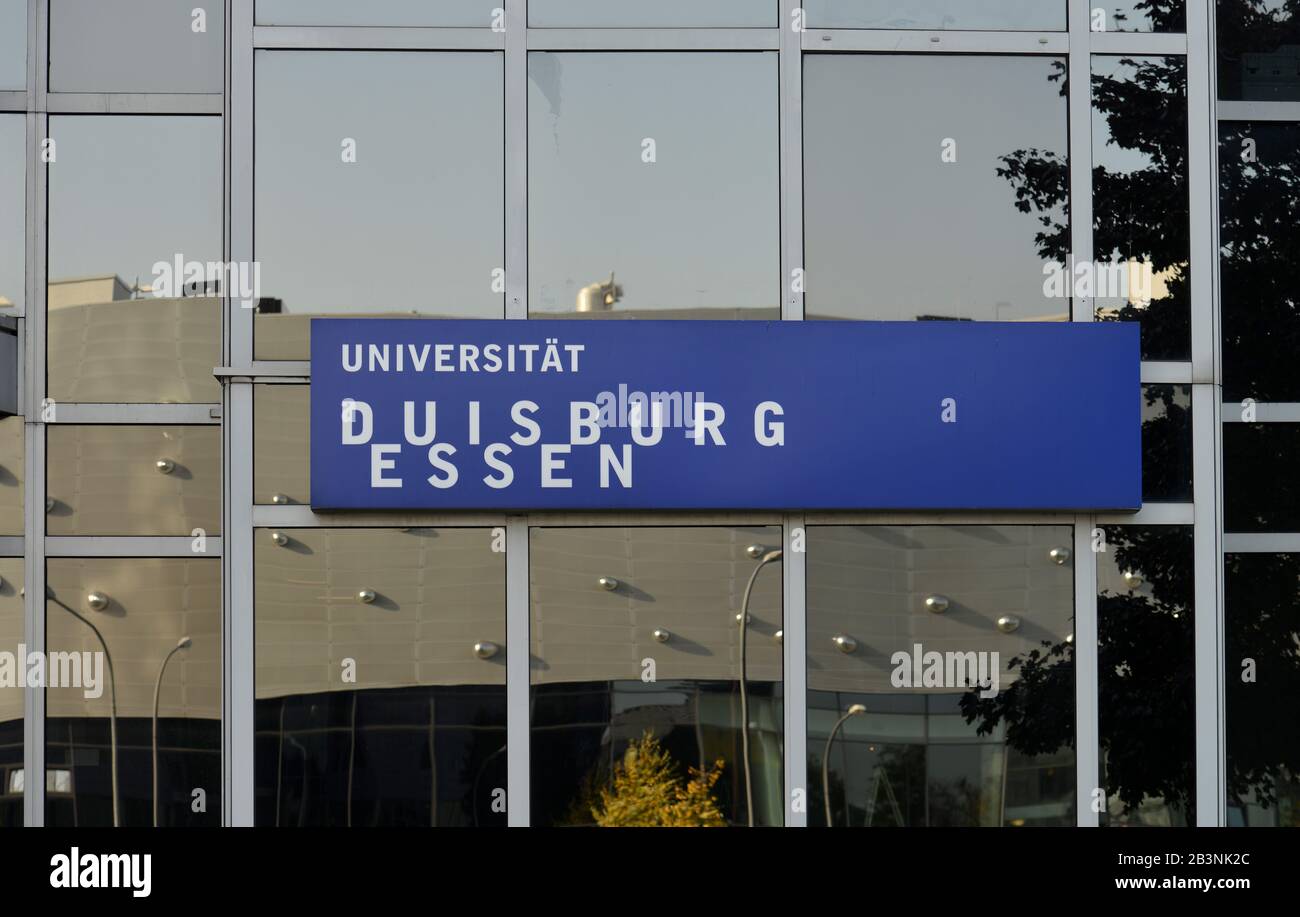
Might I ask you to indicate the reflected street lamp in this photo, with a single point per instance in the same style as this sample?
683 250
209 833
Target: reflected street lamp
182 644
112 686
766 559
855 710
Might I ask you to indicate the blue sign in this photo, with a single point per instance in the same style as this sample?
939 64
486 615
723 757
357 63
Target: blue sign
417 414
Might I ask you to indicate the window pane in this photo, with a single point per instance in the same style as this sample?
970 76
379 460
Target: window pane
660 14
422 204
1047 15
1259 237
653 185
911 741
137 46
1140 16
110 338
1257 42
152 606
970 142
641 672
1262 680
13 459
13 46
281 444
13 210
1147 697
12 630
444 13
1166 443
129 480
381 694
1140 199
1261 492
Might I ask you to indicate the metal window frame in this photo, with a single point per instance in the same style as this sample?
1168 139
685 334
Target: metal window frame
240 371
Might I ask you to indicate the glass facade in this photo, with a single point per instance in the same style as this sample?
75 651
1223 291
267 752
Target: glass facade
184 186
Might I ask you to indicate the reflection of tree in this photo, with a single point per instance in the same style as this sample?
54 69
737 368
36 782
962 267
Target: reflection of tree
647 792
1243 26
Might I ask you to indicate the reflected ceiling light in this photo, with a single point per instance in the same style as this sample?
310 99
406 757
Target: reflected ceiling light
50 503
97 601
608 583
280 538
165 466
936 604
1069 638
486 649
366 596
844 643
779 637
1132 579
755 551
1059 556
279 499
749 619
661 635
1008 624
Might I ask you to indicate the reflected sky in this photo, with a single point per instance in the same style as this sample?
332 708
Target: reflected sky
128 191
136 46
13 44
696 229
13 167
893 232
416 223
1127 16
1047 15
659 14
446 13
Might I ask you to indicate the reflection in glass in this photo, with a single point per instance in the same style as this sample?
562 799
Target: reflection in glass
375 195
1262 681
663 14
639 642
1146 688
13 210
1258 42
137 46
940 676
1140 199
11 699
1166 443
975 149
1030 15
281 444
13 458
1261 492
156 632
653 185
13 48
380 677
1259 196
444 13
133 480
1138 16
110 338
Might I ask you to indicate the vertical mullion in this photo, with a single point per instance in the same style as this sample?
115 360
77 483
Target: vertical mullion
518 719
33 388
238 626
1207 407
1087 731
790 108
794 642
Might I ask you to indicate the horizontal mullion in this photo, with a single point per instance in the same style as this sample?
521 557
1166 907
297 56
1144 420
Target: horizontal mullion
135 413
911 41
1167 372
301 516
653 40
14 100
11 546
130 546
134 103
1152 514
1261 543
378 39
1265 412
268 370
1257 111
1137 43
